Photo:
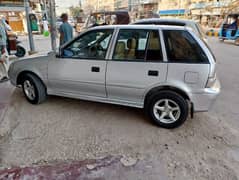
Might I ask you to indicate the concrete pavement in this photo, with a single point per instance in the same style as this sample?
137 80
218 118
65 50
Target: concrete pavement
6 90
42 44
100 169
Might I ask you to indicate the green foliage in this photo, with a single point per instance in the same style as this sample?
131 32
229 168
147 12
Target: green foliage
76 11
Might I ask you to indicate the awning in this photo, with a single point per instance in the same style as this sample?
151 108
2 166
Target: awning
172 12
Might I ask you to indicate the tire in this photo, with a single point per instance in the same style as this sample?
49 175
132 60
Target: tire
177 107
20 51
32 84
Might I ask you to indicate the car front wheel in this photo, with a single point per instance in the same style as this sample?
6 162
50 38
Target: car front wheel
33 89
167 109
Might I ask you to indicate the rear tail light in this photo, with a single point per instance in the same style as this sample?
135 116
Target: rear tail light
211 81
212 78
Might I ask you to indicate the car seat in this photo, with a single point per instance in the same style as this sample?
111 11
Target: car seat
120 51
154 48
131 45
153 42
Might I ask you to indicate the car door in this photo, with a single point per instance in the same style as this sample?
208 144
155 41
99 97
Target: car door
188 65
81 68
136 65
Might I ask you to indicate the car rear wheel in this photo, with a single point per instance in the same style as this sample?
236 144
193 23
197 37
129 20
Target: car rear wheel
167 109
33 89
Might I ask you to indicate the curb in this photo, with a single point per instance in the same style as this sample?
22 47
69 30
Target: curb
212 33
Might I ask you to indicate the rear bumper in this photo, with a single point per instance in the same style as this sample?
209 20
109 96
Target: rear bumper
204 101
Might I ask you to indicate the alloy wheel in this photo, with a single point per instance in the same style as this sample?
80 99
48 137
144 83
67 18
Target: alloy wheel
166 111
29 89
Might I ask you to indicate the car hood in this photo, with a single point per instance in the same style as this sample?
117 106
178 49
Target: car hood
43 56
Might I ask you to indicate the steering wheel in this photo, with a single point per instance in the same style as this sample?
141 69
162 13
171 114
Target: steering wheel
96 49
99 47
92 51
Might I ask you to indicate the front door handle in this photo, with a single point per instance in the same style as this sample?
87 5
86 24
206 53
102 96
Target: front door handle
95 69
153 73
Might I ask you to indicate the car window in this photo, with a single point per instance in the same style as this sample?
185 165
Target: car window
92 45
154 51
182 47
131 45
138 45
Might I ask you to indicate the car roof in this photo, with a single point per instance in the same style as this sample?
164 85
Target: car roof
143 26
170 20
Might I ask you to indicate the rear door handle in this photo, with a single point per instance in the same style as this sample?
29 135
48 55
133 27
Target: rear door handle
153 73
95 69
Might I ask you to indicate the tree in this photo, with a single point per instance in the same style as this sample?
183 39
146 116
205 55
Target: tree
76 11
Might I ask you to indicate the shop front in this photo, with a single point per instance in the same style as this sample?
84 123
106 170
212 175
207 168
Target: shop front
13 11
172 12
15 19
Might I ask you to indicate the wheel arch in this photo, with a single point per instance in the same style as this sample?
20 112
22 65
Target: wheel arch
21 75
155 90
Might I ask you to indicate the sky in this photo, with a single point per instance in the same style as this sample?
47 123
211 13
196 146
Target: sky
62 6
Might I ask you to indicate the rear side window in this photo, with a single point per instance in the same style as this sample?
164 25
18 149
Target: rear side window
139 45
181 47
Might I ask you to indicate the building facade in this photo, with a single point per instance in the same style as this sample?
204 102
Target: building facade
206 12
14 12
98 5
210 12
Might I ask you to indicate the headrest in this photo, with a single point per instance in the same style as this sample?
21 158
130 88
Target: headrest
120 47
131 43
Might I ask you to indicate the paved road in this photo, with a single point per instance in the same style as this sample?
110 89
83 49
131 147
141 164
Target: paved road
62 129
227 105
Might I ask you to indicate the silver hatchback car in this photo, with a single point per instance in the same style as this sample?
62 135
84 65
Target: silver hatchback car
167 70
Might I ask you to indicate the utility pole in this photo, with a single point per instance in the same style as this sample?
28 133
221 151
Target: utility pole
179 6
53 24
30 36
45 9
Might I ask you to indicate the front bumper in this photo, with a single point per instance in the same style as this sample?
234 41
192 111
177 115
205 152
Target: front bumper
12 75
204 101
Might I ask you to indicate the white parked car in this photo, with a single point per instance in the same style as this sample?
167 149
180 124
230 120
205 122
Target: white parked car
175 22
167 70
